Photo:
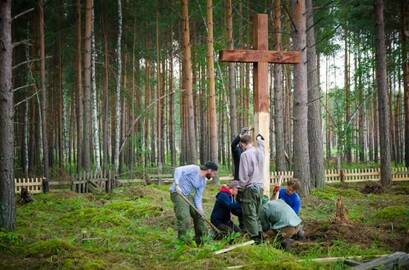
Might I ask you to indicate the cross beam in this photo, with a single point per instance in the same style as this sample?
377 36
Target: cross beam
260 56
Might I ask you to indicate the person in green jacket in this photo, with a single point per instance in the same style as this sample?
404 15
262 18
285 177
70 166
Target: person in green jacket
276 216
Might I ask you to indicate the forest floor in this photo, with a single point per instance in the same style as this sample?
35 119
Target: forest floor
133 228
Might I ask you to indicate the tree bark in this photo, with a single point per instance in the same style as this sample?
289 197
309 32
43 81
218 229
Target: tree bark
211 85
348 122
315 141
187 83
232 76
118 89
172 147
79 107
281 164
106 96
89 5
300 134
43 91
386 175
404 28
7 199
94 99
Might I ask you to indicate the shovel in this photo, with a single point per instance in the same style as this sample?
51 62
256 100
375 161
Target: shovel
216 230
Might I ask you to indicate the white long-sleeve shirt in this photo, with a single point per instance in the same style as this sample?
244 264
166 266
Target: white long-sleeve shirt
189 180
251 170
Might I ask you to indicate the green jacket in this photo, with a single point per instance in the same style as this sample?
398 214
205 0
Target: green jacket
277 214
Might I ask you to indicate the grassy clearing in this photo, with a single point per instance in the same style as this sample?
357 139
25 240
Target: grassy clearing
134 228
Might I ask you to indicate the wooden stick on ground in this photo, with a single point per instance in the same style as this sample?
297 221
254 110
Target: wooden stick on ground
248 243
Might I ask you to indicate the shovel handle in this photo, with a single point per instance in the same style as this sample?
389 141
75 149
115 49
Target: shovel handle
197 211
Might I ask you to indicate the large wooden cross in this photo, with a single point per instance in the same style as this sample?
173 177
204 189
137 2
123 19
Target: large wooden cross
260 56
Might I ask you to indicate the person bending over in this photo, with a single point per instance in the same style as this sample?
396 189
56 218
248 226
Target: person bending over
226 205
190 181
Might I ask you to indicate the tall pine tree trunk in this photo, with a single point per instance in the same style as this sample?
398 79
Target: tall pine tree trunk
89 5
94 96
404 29
232 76
315 141
40 10
7 200
383 105
79 94
281 164
171 129
300 134
211 84
187 83
118 89
106 96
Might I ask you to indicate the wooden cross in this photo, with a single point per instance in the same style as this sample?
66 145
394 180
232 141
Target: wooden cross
260 56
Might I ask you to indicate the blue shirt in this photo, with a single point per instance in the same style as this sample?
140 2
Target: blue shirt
189 180
293 200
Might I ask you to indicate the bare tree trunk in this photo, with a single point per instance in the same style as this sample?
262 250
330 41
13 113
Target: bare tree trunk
89 5
94 102
118 89
187 82
327 115
106 96
7 200
172 147
232 76
314 108
40 10
386 175
211 85
159 102
404 28
281 164
301 160
79 107
348 130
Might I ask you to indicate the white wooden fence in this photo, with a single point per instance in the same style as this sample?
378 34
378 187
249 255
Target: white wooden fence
348 175
33 185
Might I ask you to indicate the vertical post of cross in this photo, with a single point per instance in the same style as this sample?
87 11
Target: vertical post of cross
261 95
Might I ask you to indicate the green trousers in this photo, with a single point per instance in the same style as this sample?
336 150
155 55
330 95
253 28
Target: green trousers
183 213
250 202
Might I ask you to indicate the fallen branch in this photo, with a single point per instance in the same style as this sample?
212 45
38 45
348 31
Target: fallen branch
248 243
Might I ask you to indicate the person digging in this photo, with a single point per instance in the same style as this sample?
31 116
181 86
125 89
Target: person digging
190 182
224 206
280 220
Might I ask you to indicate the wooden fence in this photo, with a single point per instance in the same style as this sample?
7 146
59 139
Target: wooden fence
33 185
348 175
93 182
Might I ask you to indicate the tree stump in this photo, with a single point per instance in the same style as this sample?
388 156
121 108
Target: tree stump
25 196
341 214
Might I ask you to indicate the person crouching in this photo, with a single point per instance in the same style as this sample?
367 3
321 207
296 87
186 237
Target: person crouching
226 205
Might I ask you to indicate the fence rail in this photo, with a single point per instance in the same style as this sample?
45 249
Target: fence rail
348 175
93 182
33 185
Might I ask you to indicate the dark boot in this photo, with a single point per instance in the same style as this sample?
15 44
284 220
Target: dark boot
258 239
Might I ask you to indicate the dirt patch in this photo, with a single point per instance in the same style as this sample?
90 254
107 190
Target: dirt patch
375 188
353 233
361 234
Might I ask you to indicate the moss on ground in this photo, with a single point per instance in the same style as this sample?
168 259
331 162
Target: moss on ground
134 228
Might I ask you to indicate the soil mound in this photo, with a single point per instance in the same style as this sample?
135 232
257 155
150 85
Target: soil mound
375 188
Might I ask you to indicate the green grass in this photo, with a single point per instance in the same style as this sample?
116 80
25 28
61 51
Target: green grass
134 228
